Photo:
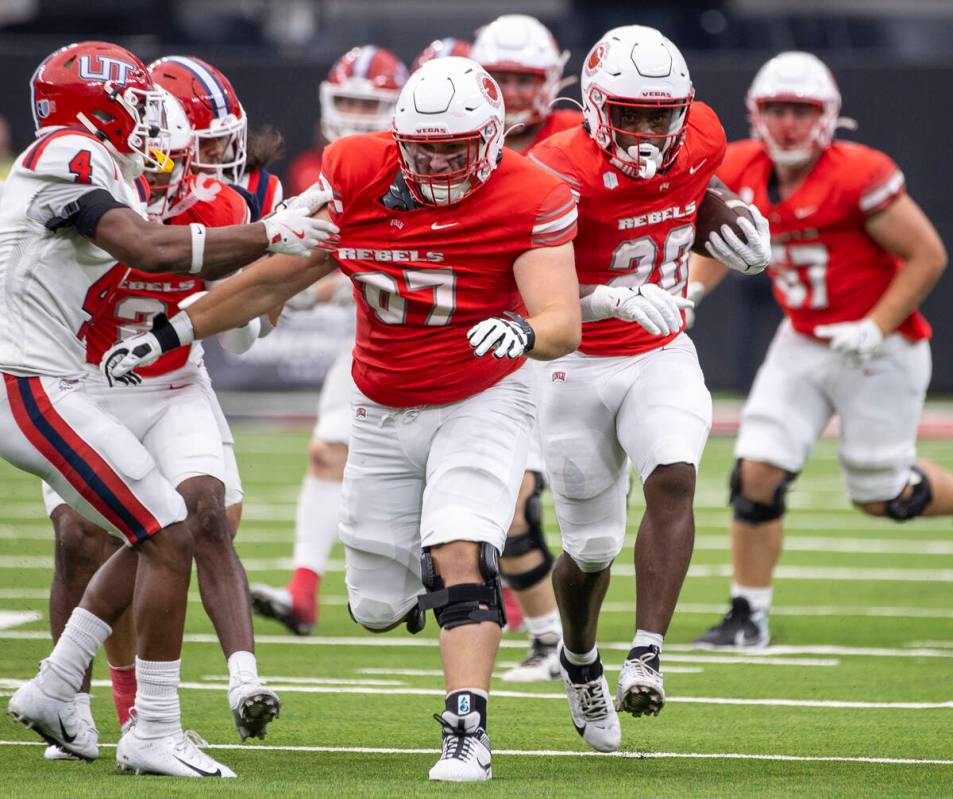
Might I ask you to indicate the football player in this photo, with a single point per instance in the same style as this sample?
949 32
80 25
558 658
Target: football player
852 258
638 169
189 430
72 208
524 59
461 270
359 96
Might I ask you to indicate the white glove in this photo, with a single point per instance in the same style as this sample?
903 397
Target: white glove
508 338
312 199
694 291
167 334
292 231
750 257
239 340
858 341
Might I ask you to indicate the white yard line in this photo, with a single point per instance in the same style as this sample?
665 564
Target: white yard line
372 750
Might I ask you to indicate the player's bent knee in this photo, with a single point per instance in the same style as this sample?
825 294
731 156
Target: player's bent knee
81 546
919 494
327 459
464 603
751 511
533 540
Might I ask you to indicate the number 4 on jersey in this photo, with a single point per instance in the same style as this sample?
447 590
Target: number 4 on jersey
81 167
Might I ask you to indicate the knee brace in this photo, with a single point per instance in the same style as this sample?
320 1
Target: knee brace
751 512
901 510
533 540
458 605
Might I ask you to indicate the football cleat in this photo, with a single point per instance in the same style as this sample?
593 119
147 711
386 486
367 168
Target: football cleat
278 604
542 664
63 724
741 628
176 755
465 754
640 690
589 704
254 707
57 752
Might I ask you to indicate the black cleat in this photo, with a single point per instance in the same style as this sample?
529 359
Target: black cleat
742 628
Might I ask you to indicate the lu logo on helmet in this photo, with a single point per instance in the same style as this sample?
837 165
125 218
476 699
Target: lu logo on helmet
111 69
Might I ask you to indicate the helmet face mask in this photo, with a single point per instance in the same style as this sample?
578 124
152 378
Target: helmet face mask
637 96
794 80
448 127
360 92
166 184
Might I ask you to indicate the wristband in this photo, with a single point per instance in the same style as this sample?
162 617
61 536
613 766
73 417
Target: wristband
174 332
198 247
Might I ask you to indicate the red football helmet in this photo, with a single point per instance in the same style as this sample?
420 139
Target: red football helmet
361 92
219 123
440 48
109 92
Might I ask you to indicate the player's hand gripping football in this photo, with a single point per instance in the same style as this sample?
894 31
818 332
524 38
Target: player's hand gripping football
748 257
120 359
292 230
859 341
507 338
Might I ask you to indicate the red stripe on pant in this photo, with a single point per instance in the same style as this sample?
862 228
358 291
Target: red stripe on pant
86 453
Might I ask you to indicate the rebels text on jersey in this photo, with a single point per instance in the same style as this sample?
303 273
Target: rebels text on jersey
634 231
46 265
824 266
423 277
124 301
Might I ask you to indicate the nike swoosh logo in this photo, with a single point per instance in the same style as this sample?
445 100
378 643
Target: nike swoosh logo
693 169
800 213
484 766
179 388
66 738
197 770
299 235
438 226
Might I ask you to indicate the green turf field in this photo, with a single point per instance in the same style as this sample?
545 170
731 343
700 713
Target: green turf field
855 698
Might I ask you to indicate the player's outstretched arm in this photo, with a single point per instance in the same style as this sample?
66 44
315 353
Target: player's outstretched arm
547 281
904 230
211 253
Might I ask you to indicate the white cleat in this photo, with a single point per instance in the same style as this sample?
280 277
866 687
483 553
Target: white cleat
465 755
254 706
59 723
640 690
542 664
57 752
590 704
176 755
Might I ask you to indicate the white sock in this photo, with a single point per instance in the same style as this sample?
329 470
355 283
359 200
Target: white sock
316 523
242 667
62 673
758 598
645 638
582 660
548 627
157 698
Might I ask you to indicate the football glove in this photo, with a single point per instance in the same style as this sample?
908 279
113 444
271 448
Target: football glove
649 305
859 341
120 359
292 231
312 199
748 257
508 338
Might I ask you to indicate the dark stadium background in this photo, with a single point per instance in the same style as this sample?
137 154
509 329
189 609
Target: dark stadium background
893 60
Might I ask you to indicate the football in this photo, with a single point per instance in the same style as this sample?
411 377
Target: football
720 206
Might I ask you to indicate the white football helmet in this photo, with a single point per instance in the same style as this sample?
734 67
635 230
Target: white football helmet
522 44
163 194
449 129
795 77
636 68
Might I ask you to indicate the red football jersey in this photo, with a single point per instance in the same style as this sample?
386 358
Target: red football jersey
265 187
424 277
559 120
824 266
128 299
634 231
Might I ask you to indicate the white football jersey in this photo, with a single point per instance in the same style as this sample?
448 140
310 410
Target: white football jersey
47 269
